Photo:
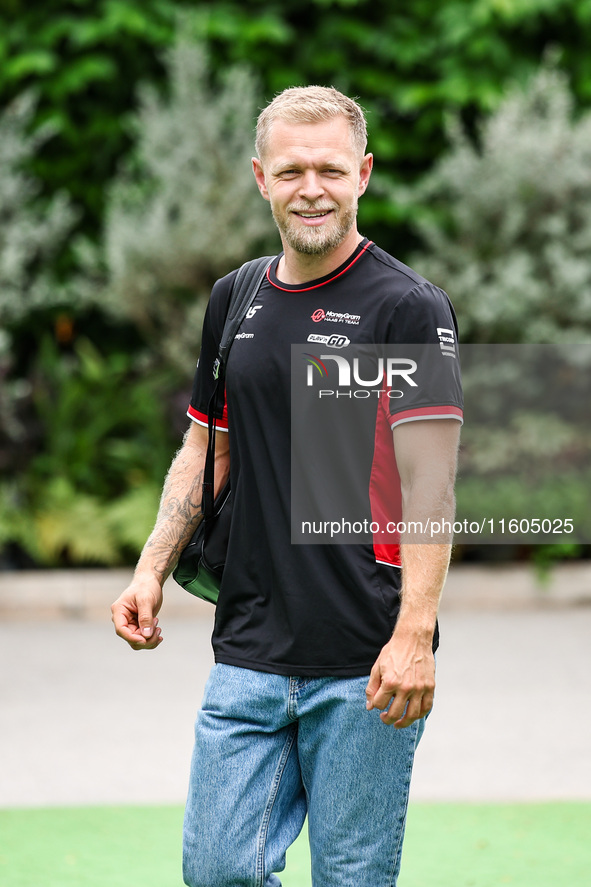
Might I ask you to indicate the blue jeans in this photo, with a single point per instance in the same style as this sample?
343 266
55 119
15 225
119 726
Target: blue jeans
271 749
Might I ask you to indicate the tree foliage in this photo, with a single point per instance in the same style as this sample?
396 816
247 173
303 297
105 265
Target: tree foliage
84 58
30 230
505 228
187 210
166 202
408 63
506 225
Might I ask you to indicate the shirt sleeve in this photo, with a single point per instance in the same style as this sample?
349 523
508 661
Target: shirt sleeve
203 380
424 379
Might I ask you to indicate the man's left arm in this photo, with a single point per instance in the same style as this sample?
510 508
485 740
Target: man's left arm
403 675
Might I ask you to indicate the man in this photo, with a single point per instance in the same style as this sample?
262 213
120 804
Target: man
324 667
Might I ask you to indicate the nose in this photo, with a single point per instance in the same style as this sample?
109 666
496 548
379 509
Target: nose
311 187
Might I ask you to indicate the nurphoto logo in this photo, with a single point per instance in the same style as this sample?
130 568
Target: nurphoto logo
387 371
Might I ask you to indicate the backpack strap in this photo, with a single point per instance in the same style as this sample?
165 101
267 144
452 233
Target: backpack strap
246 286
243 293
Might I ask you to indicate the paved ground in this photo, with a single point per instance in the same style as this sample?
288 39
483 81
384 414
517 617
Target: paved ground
84 720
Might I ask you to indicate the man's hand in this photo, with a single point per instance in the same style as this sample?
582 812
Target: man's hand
134 614
404 673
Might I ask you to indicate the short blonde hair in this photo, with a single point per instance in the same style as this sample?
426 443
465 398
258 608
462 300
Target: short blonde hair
311 104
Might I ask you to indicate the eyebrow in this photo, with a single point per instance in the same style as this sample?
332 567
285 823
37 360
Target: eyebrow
296 164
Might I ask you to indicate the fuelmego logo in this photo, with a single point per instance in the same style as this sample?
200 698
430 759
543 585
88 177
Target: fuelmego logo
387 371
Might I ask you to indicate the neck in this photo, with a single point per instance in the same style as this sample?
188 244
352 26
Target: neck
295 267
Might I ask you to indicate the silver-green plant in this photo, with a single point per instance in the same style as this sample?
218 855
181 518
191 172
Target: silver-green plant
186 211
506 224
31 231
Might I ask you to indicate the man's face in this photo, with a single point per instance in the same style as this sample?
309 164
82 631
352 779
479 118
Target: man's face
312 176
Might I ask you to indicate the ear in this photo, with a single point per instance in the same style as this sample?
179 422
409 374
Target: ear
364 173
257 168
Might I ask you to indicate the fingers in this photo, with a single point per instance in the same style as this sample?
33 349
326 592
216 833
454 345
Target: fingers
134 617
403 708
372 687
402 713
139 641
386 692
128 628
146 621
402 696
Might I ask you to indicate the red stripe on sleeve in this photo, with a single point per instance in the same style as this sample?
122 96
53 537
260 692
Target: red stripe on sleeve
202 419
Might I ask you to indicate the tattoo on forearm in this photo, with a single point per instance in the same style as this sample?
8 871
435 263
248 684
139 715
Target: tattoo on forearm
175 524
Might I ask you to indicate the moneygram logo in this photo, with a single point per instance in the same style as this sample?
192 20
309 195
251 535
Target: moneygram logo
335 317
385 373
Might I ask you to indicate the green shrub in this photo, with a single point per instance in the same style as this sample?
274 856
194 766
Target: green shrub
100 441
186 210
506 230
505 222
31 229
65 526
95 422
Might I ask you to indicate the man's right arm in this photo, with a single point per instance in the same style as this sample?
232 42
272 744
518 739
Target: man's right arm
135 612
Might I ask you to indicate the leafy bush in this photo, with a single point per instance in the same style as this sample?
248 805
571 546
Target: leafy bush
506 224
186 210
83 58
32 229
97 422
65 526
408 63
506 231
101 420
100 442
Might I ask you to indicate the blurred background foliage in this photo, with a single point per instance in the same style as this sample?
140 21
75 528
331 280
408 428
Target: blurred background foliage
125 186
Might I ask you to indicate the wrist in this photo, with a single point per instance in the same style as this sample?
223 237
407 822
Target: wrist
419 627
148 573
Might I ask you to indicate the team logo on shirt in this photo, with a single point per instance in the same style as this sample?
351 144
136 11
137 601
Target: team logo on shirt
447 342
335 317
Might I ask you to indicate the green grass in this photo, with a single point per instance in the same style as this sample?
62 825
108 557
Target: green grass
447 845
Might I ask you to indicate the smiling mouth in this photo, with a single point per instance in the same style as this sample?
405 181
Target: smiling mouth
318 214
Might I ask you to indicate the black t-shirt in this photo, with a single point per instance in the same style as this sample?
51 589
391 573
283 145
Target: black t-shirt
313 609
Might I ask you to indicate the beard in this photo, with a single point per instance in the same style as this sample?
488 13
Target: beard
318 240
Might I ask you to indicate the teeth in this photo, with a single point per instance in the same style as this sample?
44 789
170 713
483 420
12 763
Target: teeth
312 215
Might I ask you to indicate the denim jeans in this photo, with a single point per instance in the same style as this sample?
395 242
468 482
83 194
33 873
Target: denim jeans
270 750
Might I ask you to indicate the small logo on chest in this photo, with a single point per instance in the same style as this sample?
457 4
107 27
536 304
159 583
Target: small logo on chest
252 311
335 317
334 341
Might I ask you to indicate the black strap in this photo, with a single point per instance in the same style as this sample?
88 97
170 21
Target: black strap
244 290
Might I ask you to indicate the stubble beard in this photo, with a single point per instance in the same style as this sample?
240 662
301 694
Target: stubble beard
315 241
